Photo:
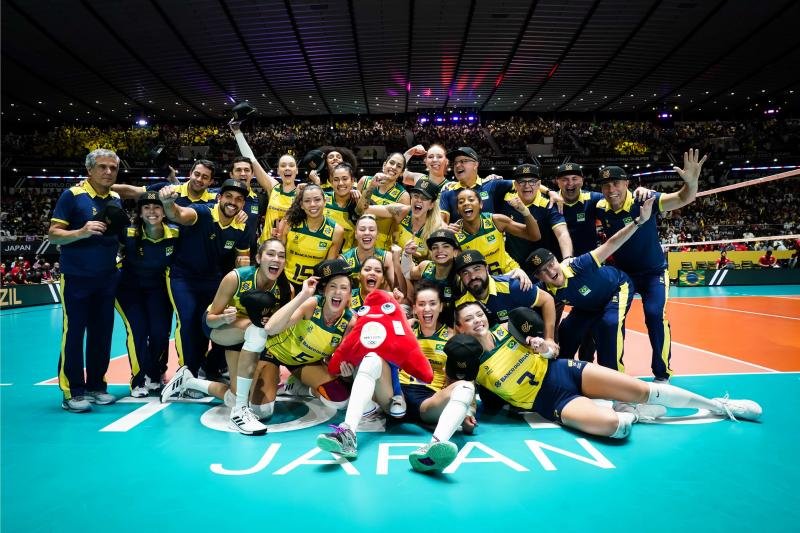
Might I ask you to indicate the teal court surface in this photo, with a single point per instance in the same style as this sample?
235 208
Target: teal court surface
140 465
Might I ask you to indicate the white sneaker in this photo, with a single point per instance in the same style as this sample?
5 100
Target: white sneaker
644 412
397 408
177 385
99 397
294 387
735 409
152 385
434 456
246 422
140 392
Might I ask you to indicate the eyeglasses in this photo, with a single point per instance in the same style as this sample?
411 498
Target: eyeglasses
463 161
527 183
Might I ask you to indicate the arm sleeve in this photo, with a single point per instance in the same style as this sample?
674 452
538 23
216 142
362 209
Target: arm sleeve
63 209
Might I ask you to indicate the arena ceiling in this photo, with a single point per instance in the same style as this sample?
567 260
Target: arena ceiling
176 60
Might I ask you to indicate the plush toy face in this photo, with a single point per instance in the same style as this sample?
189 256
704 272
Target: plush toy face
381 327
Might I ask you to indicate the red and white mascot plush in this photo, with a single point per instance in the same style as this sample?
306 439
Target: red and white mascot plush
382 328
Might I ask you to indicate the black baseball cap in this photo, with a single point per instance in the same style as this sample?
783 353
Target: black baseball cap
330 268
463 357
234 185
114 217
569 169
258 304
610 174
442 235
524 322
149 197
426 188
539 258
242 110
466 151
527 171
468 258
313 160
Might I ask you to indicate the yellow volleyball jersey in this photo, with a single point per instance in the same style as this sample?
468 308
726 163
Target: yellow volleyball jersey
433 348
405 233
341 215
354 262
310 340
511 370
385 225
246 282
489 241
306 248
279 203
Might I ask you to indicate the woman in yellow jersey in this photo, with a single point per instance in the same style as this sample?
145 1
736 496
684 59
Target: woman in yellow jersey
226 321
334 156
366 238
383 189
485 231
341 206
414 223
517 365
301 334
445 401
309 236
439 270
436 164
281 196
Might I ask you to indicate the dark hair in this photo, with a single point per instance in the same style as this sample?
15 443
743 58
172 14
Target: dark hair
283 282
462 305
347 167
347 156
427 285
206 163
242 159
403 157
295 214
473 191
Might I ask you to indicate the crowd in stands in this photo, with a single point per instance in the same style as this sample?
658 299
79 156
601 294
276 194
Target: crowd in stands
21 271
493 137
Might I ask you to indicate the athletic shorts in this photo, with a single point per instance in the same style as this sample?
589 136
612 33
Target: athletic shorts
207 333
269 358
561 385
415 395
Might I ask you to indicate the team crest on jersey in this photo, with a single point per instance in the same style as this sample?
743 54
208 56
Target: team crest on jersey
247 286
461 236
322 245
502 314
254 209
490 238
581 217
328 231
168 250
94 210
512 344
448 292
615 299
351 262
627 220
394 193
228 245
501 333
484 195
342 325
296 237
317 313
487 223
335 341
584 290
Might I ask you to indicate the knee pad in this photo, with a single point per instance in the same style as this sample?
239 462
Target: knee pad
371 365
334 391
336 405
463 392
625 421
263 411
255 339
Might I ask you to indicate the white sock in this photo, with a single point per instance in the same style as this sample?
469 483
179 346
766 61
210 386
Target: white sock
671 396
242 391
363 388
229 399
198 384
454 412
263 411
625 421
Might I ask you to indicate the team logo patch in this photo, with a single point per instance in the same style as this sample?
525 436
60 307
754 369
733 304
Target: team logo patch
490 238
394 193
228 245
484 195
537 260
323 245
326 271
468 257
581 217
247 286
627 220
584 290
487 223
605 173
569 166
254 209
328 231
168 250
502 314
526 327
448 292
335 341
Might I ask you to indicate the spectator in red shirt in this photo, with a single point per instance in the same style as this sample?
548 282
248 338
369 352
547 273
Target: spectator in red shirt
723 262
767 260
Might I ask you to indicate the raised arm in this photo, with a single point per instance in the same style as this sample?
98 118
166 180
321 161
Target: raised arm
529 230
690 174
604 251
128 192
266 181
176 213
301 306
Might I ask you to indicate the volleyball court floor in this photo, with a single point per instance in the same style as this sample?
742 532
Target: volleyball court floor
140 464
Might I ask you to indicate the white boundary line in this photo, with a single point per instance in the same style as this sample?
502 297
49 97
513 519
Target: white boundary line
715 354
736 310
